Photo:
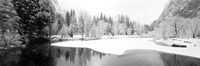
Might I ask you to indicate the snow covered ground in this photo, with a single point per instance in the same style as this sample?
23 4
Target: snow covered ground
193 41
119 46
178 41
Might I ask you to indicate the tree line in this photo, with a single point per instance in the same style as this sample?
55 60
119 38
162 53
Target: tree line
178 27
24 21
96 26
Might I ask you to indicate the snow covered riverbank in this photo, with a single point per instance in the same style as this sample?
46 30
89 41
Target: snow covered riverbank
120 46
179 42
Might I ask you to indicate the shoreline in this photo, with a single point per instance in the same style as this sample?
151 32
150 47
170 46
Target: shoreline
119 46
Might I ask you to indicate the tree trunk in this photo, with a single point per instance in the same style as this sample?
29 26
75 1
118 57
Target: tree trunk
49 35
193 35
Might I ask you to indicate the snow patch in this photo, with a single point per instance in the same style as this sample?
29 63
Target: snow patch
119 46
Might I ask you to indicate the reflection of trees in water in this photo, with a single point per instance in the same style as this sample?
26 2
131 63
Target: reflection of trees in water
36 54
10 57
179 60
121 56
76 55
98 54
84 55
55 53
87 54
71 54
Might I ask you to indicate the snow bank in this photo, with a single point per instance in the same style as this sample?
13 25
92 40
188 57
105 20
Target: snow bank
119 46
177 41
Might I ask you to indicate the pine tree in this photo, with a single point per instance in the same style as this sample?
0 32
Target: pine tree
36 17
8 22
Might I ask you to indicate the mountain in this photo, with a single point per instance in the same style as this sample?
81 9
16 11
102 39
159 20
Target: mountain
181 8
58 8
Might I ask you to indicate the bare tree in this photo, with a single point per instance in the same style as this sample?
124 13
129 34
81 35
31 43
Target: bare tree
177 25
164 31
85 23
194 26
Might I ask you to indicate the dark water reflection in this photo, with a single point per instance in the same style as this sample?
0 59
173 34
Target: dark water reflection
44 55
74 56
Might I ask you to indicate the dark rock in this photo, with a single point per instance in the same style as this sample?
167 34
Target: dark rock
176 45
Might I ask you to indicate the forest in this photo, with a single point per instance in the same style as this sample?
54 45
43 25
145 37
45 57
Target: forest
179 27
23 21
96 26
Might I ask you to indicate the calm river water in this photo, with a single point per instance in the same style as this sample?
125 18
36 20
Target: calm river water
44 55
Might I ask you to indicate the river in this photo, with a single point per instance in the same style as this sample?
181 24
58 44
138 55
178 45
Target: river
45 55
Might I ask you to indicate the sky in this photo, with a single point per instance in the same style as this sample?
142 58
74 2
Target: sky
142 11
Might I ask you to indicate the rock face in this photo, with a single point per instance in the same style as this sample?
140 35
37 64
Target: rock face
182 8
58 8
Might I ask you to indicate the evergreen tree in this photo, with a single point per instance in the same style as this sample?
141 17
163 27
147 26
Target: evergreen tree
36 17
8 23
68 18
